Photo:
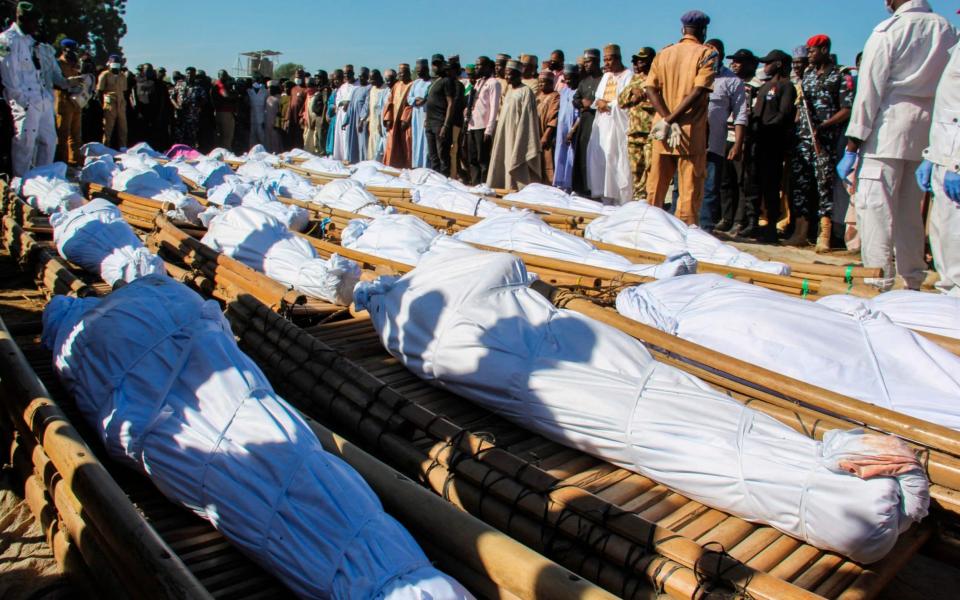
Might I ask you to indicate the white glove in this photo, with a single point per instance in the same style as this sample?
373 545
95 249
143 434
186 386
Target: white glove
676 134
660 130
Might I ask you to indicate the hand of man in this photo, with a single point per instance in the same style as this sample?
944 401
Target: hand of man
487 138
676 135
569 139
419 101
388 125
603 106
660 130
924 174
405 124
443 133
736 153
846 165
951 186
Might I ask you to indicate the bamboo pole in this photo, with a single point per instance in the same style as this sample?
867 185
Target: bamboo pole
507 563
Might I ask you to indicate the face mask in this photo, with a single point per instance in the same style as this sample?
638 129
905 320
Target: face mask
114 66
257 86
298 81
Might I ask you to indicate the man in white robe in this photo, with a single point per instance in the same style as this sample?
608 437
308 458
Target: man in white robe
608 170
342 102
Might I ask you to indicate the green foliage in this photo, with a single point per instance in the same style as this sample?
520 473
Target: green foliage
286 70
97 26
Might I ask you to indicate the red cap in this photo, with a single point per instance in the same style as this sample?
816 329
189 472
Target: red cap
818 40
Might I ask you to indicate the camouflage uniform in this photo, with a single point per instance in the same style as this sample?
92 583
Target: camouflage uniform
639 144
190 99
825 96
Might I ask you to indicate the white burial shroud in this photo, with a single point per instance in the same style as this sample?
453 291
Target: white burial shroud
46 188
920 311
644 227
264 244
864 355
522 231
157 373
400 238
467 321
549 196
96 237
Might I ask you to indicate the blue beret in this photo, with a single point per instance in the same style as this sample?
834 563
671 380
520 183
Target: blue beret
695 18
68 43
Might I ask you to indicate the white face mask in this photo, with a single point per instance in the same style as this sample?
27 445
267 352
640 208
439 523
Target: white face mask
257 86
298 81
115 66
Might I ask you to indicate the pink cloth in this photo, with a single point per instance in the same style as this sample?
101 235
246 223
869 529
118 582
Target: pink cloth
182 151
881 456
485 106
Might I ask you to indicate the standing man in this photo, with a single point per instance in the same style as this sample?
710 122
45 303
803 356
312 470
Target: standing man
500 73
583 128
515 160
679 87
188 100
149 98
727 102
569 113
344 93
358 119
825 103
291 121
740 196
548 109
224 101
633 98
417 100
379 91
774 115
336 80
481 119
257 98
556 66
68 110
112 87
439 106
902 64
940 173
609 175
396 121
530 71
459 108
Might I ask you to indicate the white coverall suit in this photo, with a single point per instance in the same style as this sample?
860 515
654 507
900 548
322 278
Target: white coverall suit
34 129
944 153
902 63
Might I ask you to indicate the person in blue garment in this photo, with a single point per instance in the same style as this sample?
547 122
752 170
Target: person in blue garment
569 113
335 83
417 99
358 117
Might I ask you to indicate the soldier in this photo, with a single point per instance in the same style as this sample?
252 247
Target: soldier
68 110
825 106
634 98
679 85
189 98
112 86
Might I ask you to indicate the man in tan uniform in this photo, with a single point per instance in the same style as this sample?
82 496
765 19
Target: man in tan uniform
68 111
112 87
678 87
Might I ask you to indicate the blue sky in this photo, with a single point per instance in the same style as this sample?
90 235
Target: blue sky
209 34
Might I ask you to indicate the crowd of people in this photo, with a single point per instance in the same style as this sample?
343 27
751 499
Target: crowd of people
770 148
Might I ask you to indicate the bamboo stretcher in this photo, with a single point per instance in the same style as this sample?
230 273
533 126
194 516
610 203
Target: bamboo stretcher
491 563
328 222
319 371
